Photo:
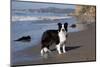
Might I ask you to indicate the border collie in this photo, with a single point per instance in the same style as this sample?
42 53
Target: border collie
57 37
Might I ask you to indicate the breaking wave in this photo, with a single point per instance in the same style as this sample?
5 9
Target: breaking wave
34 18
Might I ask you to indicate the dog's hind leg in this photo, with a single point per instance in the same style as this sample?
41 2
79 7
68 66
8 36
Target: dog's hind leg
44 50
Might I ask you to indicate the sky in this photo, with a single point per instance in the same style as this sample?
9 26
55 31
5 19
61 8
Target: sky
27 5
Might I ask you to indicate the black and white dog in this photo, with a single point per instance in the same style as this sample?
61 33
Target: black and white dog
57 37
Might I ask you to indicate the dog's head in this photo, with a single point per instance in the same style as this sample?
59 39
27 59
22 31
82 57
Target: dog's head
62 27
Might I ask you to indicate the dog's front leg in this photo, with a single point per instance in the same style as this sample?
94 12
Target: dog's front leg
64 48
58 48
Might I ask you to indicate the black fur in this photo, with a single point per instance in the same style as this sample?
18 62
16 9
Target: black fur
49 37
59 26
65 26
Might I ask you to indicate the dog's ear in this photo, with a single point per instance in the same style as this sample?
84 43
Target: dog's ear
66 26
59 26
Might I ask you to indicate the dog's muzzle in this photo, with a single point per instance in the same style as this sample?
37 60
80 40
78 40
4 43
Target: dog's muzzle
63 29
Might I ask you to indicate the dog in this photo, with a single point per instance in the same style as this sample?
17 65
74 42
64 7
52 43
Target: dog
57 37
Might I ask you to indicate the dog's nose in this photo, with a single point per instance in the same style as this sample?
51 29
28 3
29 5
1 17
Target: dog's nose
63 29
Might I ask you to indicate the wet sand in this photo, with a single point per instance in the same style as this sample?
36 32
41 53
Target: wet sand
80 46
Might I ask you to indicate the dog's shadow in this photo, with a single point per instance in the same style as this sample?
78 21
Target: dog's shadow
68 48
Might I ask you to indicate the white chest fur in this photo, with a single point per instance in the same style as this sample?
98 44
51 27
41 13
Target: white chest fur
62 36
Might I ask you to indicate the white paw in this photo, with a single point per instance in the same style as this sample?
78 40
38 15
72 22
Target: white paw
64 51
60 52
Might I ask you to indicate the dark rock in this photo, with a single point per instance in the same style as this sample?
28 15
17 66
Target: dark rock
73 25
24 38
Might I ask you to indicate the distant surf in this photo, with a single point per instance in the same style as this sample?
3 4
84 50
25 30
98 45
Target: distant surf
34 18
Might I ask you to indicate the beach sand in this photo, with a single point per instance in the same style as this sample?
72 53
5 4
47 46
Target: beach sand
80 46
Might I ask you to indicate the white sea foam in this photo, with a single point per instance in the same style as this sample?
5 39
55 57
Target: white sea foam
23 18
32 18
